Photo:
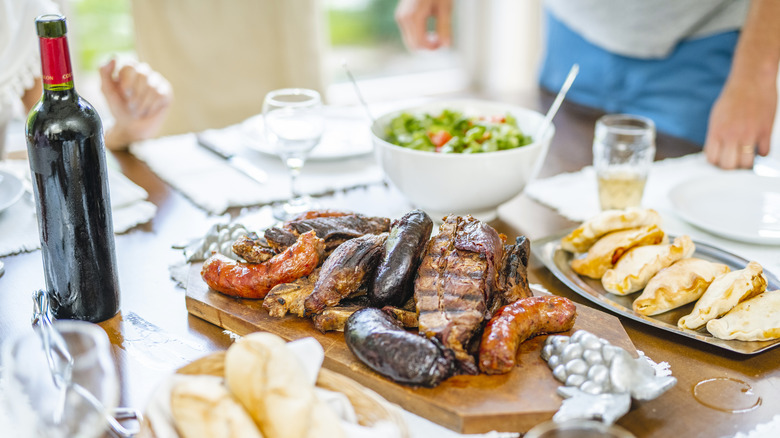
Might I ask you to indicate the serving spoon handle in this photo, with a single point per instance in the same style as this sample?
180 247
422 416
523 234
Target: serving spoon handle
558 100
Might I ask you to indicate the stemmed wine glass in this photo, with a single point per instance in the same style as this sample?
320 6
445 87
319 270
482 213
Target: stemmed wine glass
293 126
41 407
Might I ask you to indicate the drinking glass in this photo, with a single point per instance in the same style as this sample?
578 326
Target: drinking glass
623 150
39 407
294 123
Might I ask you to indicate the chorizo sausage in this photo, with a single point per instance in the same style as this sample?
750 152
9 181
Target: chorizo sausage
254 280
516 322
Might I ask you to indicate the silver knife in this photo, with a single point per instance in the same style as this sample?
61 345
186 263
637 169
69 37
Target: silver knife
236 161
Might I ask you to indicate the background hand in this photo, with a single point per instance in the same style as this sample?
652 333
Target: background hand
412 18
741 123
139 99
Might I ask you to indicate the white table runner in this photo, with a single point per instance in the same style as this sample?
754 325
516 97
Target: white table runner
212 184
19 226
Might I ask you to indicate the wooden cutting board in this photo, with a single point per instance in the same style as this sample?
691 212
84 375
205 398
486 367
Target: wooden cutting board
512 402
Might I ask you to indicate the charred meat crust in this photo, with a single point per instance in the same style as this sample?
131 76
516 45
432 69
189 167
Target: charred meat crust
334 229
513 273
407 318
393 281
253 248
383 345
334 318
348 268
515 323
254 280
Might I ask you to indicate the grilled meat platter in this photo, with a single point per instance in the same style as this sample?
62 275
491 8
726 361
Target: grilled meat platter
414 308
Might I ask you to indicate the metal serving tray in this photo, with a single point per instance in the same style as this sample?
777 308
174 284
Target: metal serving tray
559 262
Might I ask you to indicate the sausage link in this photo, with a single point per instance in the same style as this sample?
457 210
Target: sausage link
254 280
516 322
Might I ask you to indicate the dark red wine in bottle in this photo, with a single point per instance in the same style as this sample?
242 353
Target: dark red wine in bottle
68 164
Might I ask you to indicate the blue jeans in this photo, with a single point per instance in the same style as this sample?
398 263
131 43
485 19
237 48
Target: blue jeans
676 92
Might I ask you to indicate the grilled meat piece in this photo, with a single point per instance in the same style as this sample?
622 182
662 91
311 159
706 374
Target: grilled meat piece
279 239
335 230
455 284
349 267
253 248
513 273
254 280
407 318
334 318
515 323
380 342
289 297
311 214
405 244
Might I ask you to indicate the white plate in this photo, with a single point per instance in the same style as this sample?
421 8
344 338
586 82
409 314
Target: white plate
11 190
738 205
345 136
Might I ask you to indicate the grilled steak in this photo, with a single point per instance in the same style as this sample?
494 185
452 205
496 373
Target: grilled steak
455 284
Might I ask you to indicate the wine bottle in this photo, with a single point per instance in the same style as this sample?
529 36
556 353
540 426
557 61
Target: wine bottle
68 168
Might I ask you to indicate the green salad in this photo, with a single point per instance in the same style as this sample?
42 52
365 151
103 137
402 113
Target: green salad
452 132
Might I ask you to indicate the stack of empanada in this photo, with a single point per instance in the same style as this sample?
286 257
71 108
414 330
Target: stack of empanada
584 236
607 250
628 252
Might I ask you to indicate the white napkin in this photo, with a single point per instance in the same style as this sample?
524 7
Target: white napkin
575 196
214 185
19 227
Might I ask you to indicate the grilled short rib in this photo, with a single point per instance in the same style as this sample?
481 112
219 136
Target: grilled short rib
456 283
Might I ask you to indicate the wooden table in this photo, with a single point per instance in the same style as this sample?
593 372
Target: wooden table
154 334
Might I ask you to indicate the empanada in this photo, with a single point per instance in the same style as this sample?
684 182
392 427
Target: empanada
756 319
724 293
605 222
632 272
682 283
608 250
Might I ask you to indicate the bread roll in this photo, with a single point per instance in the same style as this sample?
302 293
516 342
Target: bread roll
202 407
271 384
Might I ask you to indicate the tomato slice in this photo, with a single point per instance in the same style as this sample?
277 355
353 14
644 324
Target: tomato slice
439 138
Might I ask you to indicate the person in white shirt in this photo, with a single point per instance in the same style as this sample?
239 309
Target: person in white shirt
705 71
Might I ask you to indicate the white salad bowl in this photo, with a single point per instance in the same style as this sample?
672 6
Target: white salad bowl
462 184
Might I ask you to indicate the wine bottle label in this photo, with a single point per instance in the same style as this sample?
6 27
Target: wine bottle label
55 63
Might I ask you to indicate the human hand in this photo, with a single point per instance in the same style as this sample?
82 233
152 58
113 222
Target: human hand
741 123
138 97
412 18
